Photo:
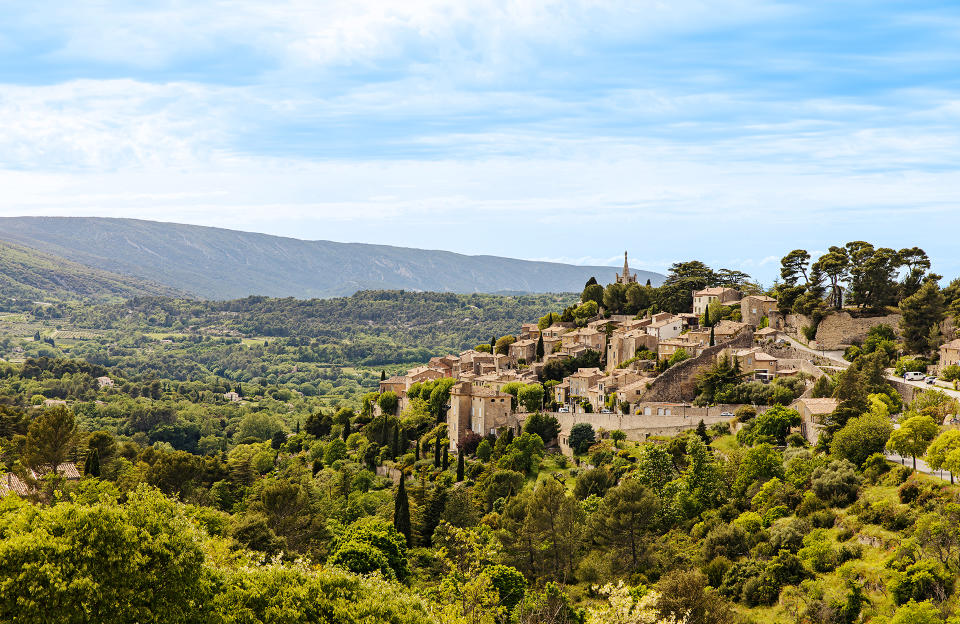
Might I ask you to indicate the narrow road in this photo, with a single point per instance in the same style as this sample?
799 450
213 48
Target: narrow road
833 356
921 466
922 385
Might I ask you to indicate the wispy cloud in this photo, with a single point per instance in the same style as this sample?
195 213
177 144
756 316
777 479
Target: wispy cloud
731 130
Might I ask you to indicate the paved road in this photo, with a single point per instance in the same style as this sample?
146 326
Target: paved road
921 466
924 386
834 356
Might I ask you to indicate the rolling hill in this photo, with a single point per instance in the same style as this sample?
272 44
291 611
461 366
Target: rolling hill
217 263
30 274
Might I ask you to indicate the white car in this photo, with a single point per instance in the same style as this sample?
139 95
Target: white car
605 411
914 376
931 380
563 410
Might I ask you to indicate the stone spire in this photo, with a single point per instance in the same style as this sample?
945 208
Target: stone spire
626 267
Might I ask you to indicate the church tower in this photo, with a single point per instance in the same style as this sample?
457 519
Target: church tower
626 277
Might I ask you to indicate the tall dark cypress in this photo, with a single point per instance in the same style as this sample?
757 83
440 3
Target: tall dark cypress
395 446
401 511
460 466
446 457
493 344
706 316
540 351
383 375
712 339
417 450
91 465
436 452
433 514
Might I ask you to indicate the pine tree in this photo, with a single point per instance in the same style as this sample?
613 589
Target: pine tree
417 450
702 432
91 465
648 283
713 340
460 466
446 457
401 511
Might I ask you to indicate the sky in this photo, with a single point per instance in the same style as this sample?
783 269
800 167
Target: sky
729 131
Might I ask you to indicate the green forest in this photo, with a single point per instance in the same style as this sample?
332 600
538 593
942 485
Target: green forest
232 467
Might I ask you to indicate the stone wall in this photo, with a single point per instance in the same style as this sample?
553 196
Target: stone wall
678 383
839 330
639 427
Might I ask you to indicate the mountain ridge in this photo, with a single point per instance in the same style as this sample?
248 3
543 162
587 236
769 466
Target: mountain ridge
218 263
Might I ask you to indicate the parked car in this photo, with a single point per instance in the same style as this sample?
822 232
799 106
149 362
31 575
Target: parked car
605 411
726 414
931 380
564 410
913 376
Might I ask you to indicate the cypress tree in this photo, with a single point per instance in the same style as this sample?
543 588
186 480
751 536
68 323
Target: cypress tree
395 446
383 375
436 451
713 340
446 457
298 426
706 316
460 466
91 465
493 344
540 351
433 514
239 390
417 450
401 510
648 282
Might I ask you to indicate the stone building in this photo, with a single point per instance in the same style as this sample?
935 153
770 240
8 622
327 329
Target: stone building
478 409
703 298
753 308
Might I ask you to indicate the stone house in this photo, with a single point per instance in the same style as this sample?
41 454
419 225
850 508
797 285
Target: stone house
625 344
722 332
478 409
582 380
812 412
692 347
753 308
768 334
529 331
754 363
950 353
665 328
631 392
589 338
525 350
703 298
396 384
104 382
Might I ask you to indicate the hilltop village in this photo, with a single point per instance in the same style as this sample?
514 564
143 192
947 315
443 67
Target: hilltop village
638 373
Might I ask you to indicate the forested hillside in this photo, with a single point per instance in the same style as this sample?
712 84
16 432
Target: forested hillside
27 275
216 263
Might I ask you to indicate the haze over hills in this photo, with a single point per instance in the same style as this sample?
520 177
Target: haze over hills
30 274
217 263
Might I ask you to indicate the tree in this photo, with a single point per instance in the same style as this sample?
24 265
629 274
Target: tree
852 396
913 437
941 447
592 292
628 512
502 345
278 439
531 397
553 521
401 511
834 265
91 465
543 425
540 351
383 375
388 402
460 466
619 436
861 437
917 263
795 265
922 311
581 437
872 273
50 439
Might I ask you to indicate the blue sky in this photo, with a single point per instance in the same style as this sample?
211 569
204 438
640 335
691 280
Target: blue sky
728 131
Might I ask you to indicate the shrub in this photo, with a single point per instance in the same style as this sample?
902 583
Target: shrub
716 570
788 535
510 584
594 481
908 492
849 552
582 437
920 580
738 576
361 558
823 519
728 541
836 483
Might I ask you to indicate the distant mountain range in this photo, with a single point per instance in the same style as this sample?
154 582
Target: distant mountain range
216 263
